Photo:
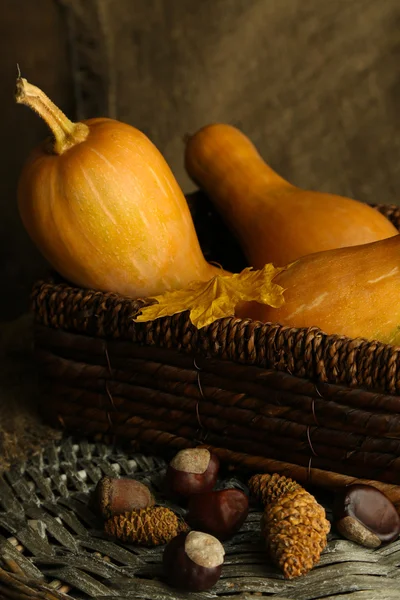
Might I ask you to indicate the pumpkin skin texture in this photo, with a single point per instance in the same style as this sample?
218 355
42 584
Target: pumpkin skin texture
107 213
273 220
351 291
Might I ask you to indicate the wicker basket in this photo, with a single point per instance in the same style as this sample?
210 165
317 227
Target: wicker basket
320 408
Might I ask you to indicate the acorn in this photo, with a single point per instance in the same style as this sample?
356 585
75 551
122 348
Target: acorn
152 526
115 496
193 561
191 471
220 513
363 514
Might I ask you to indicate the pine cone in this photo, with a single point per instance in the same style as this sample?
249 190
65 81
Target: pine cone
294 524
151 526
266 488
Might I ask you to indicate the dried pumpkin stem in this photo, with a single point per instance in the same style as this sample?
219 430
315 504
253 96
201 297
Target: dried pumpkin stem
66 133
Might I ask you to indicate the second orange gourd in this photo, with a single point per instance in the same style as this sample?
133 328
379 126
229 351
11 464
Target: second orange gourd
351 291
273 220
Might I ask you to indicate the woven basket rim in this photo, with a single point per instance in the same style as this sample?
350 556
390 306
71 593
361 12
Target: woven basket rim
303 352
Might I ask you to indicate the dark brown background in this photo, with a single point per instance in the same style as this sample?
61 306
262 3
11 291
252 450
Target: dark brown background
315 84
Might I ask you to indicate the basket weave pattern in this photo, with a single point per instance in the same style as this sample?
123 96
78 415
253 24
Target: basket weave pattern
316 407
52 546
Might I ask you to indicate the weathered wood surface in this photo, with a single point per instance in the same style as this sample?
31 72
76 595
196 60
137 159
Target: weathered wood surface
52 546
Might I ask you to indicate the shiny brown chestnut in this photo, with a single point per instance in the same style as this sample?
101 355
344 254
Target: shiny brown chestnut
115 496
193 561
191 471
363 514
220 513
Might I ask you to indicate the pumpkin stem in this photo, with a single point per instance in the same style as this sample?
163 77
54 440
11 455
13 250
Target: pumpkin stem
66 133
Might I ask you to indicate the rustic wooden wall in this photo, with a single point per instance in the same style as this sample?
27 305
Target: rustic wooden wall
315 84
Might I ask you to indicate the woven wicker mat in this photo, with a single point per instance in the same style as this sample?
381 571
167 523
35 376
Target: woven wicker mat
52 546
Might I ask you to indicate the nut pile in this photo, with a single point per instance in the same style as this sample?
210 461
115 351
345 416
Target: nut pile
193 554
293 525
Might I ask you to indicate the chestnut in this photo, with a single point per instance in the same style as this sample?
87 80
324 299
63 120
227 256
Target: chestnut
193 561
220 513
191 471
363 514
115 496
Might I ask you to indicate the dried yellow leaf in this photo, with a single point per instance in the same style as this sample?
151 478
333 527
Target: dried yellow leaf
218 298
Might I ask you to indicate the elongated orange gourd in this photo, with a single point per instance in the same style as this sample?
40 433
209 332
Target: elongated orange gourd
350 291
104 208
273 220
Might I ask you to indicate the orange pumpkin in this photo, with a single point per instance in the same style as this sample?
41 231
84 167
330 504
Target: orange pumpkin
273 220
102 205
351 291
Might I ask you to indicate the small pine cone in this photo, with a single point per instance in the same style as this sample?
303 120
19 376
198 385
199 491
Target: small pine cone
267 488
295 528
151 526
